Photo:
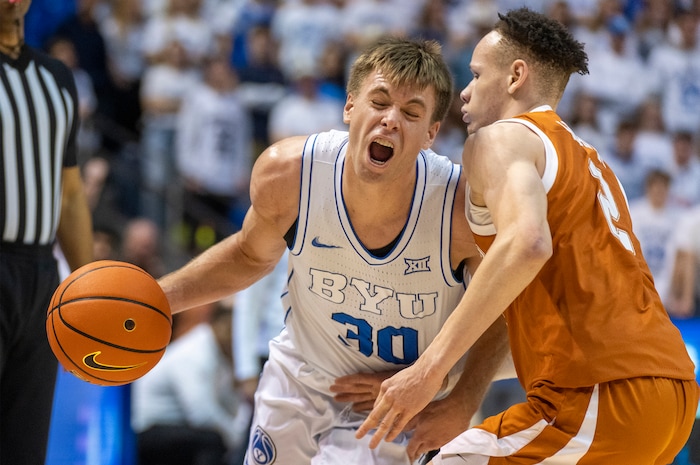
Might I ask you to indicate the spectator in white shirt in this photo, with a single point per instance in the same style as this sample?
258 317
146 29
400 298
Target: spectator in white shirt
305 110
685 187
302 29
624 161
675 71
654 219
186 410
164 85
214 143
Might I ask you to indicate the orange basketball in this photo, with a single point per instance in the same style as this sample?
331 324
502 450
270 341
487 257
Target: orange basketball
109 322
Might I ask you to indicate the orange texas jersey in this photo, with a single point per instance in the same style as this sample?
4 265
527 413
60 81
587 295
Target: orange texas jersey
592 314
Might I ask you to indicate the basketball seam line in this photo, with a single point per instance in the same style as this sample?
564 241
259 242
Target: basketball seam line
111 344
119 299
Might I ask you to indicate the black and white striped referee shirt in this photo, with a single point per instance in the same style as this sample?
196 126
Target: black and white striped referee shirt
38 124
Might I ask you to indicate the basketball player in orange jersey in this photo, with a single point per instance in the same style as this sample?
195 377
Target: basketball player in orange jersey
607 374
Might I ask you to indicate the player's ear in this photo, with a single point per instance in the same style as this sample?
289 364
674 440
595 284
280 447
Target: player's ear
347 109
430 135
519 72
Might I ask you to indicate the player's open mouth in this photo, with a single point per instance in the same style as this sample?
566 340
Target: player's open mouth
380 151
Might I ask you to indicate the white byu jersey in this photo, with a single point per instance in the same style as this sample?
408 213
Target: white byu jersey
351 311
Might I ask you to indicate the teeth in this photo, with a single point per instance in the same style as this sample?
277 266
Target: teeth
385 143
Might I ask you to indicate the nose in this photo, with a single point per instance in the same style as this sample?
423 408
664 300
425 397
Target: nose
466 94
391 117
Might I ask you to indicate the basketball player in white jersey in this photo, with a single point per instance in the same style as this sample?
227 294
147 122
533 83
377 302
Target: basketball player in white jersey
380 254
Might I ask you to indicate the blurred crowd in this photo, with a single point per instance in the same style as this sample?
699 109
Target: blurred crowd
178 97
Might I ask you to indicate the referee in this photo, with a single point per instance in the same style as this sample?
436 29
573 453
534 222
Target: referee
41 200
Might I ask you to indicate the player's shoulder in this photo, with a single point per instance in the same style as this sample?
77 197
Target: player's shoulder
502 129
285 150
504 140
288 152
276 177
279 166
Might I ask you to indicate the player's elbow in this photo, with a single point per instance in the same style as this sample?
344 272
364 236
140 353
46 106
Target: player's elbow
535 247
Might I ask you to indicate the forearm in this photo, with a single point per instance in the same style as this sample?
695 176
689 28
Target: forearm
75 225
217 273
483 362
243 258
503 274
680 299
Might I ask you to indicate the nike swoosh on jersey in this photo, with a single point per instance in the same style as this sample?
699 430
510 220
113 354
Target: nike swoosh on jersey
90 361
316 243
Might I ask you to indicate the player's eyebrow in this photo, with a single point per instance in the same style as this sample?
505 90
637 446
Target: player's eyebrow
383 90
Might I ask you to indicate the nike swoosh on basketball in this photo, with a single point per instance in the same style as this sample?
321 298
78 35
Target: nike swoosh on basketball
316 243
90 361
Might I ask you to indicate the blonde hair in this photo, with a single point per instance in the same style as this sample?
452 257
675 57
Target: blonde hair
406 62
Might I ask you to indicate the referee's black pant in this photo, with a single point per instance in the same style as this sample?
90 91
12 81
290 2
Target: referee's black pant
28 278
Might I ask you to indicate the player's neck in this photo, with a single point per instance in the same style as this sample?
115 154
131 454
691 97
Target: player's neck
377 215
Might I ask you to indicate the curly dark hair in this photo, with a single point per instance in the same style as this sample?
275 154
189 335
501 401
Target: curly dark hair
544 39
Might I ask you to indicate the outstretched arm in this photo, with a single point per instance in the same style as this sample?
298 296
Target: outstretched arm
505 166
241 259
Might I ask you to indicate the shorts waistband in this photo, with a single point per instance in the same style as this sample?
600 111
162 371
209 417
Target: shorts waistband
26 250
